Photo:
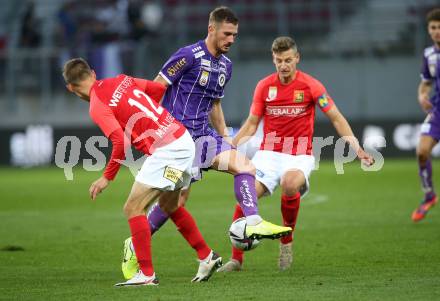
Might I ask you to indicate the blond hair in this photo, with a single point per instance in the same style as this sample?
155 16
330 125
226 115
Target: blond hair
76 70
282 44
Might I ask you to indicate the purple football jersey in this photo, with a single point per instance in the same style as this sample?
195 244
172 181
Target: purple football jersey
196 79
431 72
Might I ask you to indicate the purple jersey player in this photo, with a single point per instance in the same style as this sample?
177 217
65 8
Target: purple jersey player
196 76
196 81
430 131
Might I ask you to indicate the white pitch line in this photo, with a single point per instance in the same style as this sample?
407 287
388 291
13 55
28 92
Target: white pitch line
314 199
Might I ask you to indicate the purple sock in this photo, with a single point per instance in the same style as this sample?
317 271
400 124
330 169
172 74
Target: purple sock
245 193
156 217
425 173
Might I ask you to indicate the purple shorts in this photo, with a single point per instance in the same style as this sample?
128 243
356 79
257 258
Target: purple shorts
207 148
431 126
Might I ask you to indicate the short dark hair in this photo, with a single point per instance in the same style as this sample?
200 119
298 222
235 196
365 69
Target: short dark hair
433 15
76 70
223 14
282 44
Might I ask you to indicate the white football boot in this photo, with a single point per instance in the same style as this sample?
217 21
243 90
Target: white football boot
140 279
207 267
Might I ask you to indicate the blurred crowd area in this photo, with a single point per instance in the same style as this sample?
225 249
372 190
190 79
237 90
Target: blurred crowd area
85 23
99 30
88 23
103 30
322 27
81 23
137 36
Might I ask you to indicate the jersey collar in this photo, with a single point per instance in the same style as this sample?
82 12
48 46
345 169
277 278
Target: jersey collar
295 76
205 48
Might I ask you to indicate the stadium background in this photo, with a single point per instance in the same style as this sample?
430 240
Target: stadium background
366 52
354 240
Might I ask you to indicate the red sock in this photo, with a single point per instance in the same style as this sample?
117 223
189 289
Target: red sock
141 238
188 228
289 210
236 253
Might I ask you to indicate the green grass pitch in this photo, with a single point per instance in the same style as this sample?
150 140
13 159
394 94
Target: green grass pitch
354 241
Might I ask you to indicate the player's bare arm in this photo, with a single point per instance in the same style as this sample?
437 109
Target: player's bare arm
344 130
424 91
161 80
247 130
99 185
217 119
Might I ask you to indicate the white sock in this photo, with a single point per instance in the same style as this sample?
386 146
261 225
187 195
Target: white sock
206 260
253 220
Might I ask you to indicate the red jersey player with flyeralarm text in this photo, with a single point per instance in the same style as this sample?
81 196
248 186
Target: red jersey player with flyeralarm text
127 111
286 101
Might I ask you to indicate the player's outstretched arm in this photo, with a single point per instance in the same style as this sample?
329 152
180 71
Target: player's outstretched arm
423 92
119 144
247 130
344 130
103 116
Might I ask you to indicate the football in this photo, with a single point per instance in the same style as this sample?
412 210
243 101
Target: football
237 235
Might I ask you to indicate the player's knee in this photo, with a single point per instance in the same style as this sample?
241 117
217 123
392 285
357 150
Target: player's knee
290 189
291 186
251 170
245 168
241 164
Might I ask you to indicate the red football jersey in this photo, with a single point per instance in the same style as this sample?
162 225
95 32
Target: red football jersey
124 106
288 112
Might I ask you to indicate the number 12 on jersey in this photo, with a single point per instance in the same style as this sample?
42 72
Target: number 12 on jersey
153 112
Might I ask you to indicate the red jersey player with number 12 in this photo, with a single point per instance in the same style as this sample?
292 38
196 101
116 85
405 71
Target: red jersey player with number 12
286 101
127 111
